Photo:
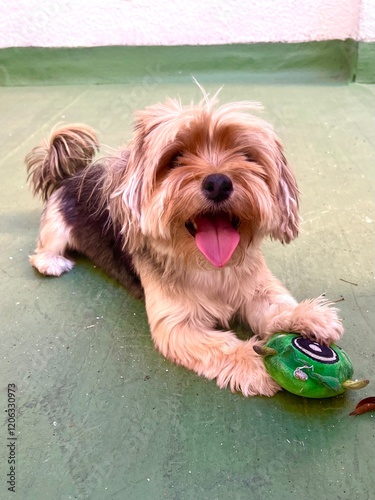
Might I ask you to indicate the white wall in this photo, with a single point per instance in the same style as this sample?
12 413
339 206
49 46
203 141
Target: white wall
367 21
73 23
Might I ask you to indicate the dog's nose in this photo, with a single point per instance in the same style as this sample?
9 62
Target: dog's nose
217 187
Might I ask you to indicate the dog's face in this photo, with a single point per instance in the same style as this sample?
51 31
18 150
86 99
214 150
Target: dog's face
203 184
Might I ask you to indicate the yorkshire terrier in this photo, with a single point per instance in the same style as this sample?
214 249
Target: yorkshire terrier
178 217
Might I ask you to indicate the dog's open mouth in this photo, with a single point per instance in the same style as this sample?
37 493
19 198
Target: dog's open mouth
216 236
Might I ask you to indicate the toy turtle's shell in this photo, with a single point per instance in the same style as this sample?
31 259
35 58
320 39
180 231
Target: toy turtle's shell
307 368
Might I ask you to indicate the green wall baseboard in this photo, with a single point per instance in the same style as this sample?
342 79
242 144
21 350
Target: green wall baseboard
365 71
311 62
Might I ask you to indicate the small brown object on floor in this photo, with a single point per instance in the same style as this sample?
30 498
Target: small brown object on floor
364 406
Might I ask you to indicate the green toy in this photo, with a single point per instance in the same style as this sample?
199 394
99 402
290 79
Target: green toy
307 368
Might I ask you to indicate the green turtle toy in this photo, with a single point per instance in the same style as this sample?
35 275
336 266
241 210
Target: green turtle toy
307 368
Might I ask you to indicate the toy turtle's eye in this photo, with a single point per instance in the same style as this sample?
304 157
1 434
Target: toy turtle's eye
315 351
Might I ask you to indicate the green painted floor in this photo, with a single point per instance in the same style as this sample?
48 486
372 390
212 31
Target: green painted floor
100 414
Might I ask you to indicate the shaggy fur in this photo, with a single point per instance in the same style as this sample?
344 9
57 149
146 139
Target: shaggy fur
139 215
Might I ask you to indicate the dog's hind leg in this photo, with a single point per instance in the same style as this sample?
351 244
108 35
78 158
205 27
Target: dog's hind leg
53 241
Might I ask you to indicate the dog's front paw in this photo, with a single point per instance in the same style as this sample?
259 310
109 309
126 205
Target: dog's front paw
258 383
317 320
247 374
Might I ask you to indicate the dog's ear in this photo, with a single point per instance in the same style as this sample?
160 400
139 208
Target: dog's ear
155 128
287 226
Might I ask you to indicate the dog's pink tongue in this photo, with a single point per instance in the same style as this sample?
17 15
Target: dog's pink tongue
216 238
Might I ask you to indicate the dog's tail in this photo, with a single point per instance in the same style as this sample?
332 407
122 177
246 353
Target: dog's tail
68 150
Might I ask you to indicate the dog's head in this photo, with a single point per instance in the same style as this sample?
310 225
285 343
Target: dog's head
205 182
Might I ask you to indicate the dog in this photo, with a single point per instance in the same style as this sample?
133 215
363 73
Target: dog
178 217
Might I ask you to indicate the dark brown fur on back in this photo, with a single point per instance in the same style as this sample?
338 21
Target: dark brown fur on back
93 231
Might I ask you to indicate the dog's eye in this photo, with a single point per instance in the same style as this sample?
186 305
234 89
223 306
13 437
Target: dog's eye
175 160
248 157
